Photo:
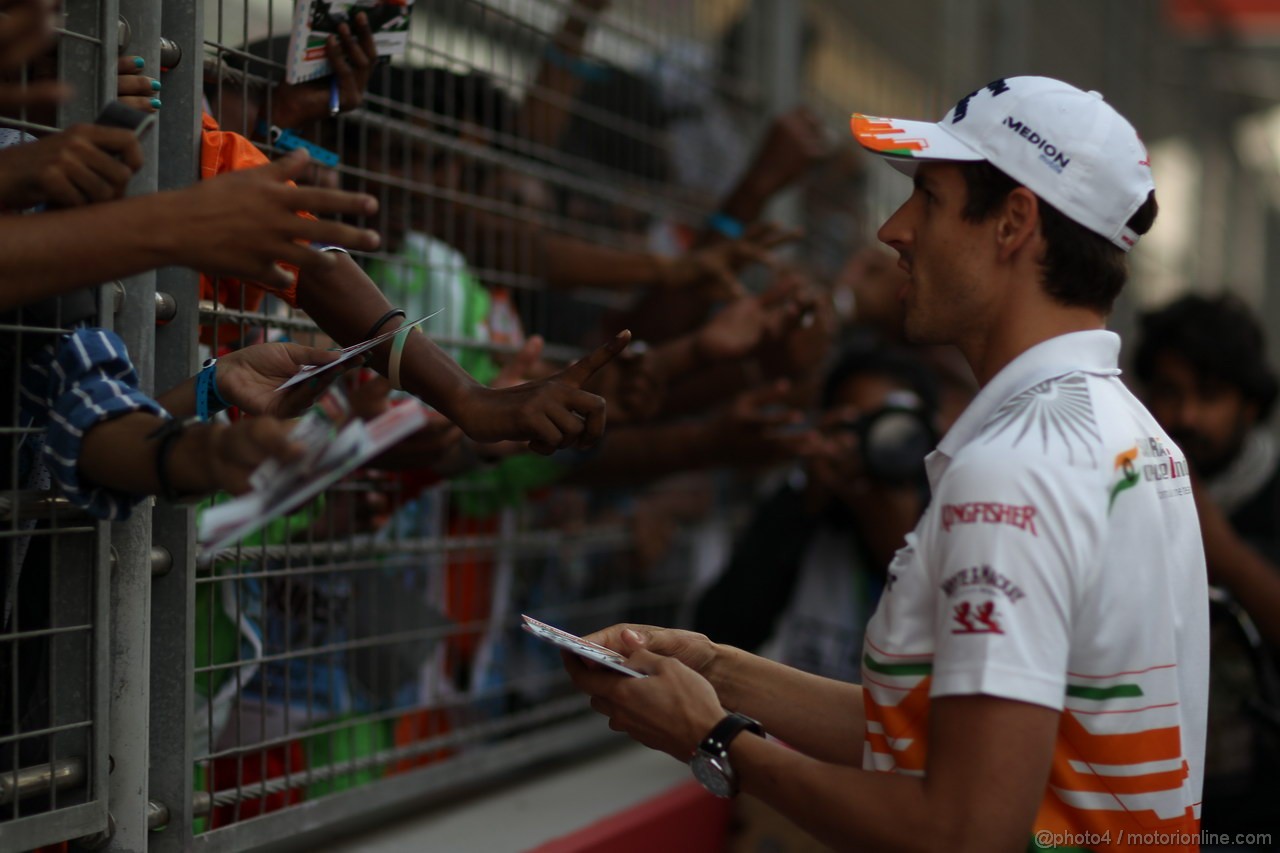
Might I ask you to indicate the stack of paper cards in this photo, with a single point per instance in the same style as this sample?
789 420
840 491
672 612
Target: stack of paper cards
332 452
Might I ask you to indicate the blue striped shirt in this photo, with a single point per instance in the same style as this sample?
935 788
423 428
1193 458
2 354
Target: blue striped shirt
74 383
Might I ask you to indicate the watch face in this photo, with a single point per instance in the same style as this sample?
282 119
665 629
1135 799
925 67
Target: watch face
711 775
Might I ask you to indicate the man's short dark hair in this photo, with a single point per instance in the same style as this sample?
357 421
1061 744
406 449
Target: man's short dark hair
1081 268
1219 337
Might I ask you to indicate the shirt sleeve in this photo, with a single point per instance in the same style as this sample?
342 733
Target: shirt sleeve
90 381
1011 544
222 152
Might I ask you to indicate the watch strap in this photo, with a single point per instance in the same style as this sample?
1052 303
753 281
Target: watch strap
716 743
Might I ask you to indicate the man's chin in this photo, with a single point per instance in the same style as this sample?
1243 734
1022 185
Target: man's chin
915 331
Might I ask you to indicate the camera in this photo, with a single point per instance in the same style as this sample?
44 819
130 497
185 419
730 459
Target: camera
895 438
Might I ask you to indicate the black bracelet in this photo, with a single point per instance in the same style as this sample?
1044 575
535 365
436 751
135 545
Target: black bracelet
382 321
168 432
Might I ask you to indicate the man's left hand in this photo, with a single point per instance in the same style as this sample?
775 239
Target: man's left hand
248 378
672 710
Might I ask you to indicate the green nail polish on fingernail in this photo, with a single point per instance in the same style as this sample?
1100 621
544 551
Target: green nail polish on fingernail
139 62
155 102
155 84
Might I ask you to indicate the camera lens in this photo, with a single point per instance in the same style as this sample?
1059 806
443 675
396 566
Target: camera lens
895 443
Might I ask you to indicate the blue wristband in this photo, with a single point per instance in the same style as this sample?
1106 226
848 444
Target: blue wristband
208 399
213 383
726 225
286 140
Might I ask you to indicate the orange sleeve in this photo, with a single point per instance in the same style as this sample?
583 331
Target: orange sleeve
221 152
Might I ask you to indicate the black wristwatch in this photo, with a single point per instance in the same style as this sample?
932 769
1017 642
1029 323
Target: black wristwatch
710 762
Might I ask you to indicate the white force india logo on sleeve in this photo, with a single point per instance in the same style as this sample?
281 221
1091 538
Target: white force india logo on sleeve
1152 460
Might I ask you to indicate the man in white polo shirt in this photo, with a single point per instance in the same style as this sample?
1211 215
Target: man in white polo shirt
1036 673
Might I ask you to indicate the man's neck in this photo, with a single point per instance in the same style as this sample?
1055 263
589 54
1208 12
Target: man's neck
1019 330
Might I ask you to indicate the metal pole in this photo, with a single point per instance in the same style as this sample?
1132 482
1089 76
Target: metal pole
173 528
960 37
1010 48
774 31
131 581
29 781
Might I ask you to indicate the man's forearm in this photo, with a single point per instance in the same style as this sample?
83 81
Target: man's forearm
547 104
744 203
820 717
845 807
120 455
979 789
345 303
180 400
63 250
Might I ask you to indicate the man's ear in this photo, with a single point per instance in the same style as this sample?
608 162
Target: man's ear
1018 224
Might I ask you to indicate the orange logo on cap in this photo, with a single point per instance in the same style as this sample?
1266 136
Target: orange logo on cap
880 135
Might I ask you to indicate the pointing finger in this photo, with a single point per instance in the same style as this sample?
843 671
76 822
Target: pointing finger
580 371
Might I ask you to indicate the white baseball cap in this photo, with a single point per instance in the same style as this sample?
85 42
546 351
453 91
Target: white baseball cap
1068 146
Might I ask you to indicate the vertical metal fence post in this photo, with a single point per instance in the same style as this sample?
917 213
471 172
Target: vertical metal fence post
960 36
173 528
131 587
775 33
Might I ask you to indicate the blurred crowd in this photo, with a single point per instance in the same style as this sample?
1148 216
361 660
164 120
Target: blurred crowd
739 358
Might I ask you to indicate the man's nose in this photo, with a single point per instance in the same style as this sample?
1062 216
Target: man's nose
896 231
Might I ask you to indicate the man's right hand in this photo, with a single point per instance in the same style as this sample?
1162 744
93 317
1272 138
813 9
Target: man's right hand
209 458
694 650
245 224
551 414
86 163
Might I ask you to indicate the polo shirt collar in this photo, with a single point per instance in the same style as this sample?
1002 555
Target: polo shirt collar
1096 351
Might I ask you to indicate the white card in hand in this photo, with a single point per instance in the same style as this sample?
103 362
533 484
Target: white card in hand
579 646
333 456
310 371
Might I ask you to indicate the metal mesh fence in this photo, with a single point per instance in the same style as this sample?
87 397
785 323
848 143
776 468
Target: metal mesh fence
54 559
373 636
364 649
